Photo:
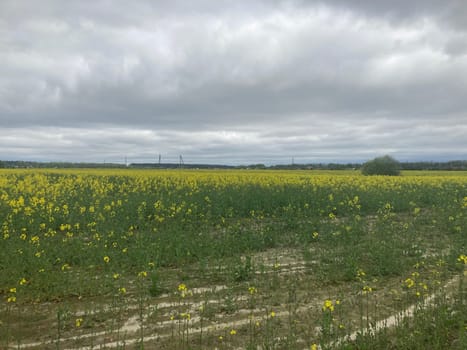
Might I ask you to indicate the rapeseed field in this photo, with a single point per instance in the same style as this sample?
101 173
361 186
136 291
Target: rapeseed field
187 259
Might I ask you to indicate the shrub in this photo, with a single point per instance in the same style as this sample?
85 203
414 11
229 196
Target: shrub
381 166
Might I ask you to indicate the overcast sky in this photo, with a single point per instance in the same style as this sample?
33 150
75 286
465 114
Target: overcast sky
233 82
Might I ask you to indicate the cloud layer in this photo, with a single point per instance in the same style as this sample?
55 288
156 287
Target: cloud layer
233 82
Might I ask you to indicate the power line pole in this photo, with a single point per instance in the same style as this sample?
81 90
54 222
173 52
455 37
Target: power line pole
181 161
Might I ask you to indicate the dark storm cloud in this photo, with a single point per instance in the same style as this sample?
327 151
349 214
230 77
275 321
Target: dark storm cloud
219 78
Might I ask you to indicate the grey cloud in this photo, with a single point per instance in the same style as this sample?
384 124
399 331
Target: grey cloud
449 13
215 77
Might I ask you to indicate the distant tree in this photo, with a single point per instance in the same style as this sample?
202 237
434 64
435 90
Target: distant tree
385 165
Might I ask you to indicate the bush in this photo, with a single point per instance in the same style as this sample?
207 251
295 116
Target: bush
381 166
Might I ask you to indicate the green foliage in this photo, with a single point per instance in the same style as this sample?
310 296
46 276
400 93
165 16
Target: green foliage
385 165
155 288
242 269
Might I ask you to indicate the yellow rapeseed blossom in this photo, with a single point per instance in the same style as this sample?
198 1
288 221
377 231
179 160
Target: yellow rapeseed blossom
78 322
183 290
328 305
106 259
233 332
462 259
409 283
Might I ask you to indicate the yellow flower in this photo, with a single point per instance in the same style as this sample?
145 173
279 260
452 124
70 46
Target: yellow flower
409 283
11 299
252 290
106 259
328 305
23 281
116 276
78 322
462 259
367 289
182 288
314 347
272 314
13 290
233 332
142 274
315 234
122 290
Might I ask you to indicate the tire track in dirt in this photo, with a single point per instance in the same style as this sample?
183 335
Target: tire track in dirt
129 331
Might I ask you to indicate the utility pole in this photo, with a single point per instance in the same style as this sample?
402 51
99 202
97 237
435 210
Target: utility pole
159 159
181 161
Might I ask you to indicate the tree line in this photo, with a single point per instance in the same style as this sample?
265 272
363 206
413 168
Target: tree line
420 165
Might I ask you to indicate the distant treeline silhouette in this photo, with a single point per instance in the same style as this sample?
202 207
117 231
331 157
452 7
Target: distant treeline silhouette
448 165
